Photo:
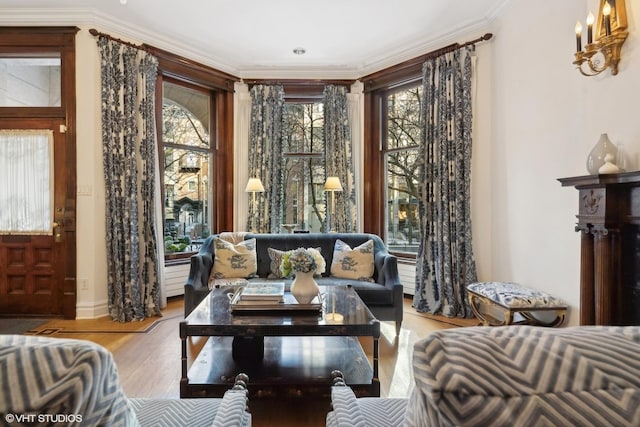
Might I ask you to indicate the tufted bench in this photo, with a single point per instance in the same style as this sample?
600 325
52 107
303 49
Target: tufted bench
511 298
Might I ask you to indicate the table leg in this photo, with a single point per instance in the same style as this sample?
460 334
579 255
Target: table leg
375 358
184 379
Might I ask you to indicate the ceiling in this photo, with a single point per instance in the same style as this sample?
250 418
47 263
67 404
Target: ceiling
256 38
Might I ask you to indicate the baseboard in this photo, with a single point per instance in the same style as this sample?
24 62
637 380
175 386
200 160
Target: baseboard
92 311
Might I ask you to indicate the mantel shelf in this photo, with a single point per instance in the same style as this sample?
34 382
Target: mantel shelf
601 179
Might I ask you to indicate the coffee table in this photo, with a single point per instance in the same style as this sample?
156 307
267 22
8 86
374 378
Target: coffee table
284 352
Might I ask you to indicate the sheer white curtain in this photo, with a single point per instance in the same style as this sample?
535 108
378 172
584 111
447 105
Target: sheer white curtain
26 174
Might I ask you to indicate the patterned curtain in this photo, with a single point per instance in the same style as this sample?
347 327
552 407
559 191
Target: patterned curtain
445 263
129 157
265 155
338 160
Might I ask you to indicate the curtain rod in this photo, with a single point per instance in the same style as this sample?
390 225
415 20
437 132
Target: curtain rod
452 47
410 70
97 33
297 82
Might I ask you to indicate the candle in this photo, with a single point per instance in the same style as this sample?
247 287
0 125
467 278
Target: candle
578 36
590 20
606 12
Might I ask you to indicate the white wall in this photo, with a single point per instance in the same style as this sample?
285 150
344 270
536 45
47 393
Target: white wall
91 246
545 119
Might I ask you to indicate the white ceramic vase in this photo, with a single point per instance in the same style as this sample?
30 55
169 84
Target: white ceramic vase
304 288
596 157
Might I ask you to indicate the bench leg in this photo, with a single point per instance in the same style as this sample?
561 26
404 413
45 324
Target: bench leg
485 318
559 319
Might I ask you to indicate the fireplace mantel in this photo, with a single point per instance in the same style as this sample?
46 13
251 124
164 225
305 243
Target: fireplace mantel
609 223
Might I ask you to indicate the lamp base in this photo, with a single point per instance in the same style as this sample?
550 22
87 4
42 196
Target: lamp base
334 317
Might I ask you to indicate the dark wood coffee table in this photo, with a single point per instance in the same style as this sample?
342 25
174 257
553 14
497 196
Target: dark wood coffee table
283 352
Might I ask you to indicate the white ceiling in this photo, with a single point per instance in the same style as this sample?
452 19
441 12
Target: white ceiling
255 38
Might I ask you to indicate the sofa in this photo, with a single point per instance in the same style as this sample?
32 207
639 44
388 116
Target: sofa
511 376
383 294
67 382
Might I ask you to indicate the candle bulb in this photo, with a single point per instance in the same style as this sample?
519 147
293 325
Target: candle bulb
578 36
590 20
606 12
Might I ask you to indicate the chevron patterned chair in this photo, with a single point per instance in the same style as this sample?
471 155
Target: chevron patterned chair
511 376
49 381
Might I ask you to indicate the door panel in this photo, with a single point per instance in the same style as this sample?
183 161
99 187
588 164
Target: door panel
34 276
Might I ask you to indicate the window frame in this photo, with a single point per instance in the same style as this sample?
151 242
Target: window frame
377 86
190 182
183 71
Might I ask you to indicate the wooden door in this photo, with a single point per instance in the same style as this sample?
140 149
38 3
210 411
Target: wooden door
37 271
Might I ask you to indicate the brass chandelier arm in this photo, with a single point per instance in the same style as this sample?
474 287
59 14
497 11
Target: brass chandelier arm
608 47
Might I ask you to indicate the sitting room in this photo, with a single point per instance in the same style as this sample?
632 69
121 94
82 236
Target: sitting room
439 156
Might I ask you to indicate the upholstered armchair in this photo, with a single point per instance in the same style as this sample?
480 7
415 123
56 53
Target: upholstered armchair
77 382
510 375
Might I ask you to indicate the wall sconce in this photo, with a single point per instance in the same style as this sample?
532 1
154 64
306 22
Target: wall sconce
611 33
332 185
254 185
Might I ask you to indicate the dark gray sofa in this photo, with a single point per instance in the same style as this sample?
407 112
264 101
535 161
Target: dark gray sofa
383 297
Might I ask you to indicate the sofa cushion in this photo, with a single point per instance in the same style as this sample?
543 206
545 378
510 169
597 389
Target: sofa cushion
356 263
234 260
370 292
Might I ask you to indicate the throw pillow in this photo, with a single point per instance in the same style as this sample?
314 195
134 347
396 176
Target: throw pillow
275 258
234 260
356 263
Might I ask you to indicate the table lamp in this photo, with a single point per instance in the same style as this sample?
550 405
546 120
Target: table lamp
332 185
254 185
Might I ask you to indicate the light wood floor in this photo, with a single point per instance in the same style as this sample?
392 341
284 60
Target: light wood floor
148 358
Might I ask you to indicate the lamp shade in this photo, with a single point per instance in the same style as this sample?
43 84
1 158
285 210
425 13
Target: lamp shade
332 184
254 185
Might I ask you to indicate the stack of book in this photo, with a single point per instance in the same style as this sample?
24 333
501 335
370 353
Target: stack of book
267 298
263 292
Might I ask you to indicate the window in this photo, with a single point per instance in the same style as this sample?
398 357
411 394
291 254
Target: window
392 131
26 169
401 169
303 166
30 81
195 145
186 120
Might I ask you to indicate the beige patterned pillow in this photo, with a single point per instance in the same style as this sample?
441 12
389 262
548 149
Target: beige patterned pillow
234 261
356 263
275 258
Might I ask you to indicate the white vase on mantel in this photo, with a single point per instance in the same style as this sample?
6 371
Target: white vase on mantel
596 157
609 166
304 288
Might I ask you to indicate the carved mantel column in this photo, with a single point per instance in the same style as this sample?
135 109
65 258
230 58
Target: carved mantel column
608 220
587 281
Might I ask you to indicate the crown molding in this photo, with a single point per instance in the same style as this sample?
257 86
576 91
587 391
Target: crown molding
389 56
